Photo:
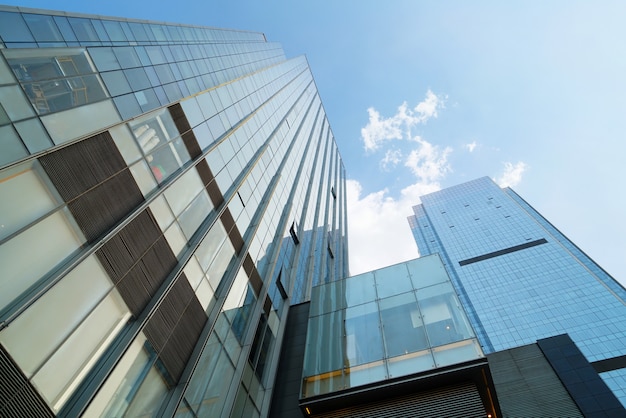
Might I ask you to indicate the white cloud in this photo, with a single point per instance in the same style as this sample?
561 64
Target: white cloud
392 158
379 234
399 125
512 174
428 162
471 146
378 231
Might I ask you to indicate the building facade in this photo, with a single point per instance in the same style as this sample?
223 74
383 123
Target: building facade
520 279
166 193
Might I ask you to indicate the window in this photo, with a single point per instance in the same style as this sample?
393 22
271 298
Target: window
56 80
294 235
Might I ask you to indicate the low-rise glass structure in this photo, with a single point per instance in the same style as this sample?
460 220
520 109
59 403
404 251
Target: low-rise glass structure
401 320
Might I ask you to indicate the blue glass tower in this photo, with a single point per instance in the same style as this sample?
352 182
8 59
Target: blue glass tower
520 279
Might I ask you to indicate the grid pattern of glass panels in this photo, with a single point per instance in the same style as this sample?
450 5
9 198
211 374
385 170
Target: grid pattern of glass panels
396 321
520 297
222 137
58 64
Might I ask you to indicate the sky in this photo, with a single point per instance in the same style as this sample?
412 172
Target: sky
426 95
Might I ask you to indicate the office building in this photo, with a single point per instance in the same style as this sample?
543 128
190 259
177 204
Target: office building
166 193
521 280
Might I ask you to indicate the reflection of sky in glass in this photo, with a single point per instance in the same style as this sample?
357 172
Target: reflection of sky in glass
400 320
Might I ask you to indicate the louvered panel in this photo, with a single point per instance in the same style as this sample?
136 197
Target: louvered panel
79 167
138 259
175 327
183 126
209 183
453 401
526 384
99 209
17 397
122 251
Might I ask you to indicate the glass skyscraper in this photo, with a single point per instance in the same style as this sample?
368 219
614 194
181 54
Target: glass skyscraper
520 279
166 193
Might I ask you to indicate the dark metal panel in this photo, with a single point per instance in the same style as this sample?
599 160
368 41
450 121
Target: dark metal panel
99 209
17 397
175 327
80 166
92 177
526 385
459 401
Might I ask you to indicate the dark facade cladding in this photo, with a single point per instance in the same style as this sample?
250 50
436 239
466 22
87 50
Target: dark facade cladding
181 188
521 280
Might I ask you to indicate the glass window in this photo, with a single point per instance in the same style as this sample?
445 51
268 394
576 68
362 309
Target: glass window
26 196
62 373
104 58
220 264
147 99
125 143
126 380
208 399
66 30
11 148
83 29
139 31
158 32
15 104
62 128
210 244
183 191
50 78
427 271
173 92
116 83
33 135
443 316
193 273
360 289
43 28
114 30
137 78
237 305
162 212
127 57
322 369
194 214
393 280
52 239
13 28
402 325
152 76
364 342
156 55
175 239
127 105
143 177
164 73
147 400
100 31
50 320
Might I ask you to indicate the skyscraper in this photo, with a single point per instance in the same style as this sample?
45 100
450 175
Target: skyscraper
166 192
520 279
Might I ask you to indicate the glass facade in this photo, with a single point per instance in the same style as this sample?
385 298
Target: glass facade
180 187
518 277
400 320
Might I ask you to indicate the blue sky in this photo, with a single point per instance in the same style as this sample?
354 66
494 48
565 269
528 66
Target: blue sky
425 95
